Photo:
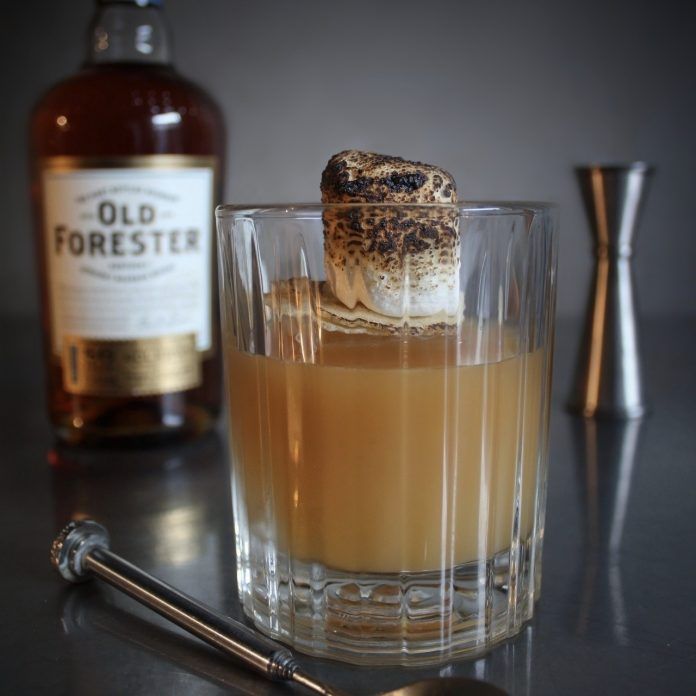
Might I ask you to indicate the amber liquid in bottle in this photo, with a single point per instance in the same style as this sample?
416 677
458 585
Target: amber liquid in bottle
126 105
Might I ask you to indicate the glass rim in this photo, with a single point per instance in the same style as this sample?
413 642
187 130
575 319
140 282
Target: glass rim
275 210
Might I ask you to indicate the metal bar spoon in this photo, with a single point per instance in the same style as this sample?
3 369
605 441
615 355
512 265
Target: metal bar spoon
81 551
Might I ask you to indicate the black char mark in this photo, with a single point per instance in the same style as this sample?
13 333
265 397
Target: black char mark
404 182
336 181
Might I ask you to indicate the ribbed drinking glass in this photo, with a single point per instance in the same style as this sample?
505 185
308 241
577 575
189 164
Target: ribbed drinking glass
389 470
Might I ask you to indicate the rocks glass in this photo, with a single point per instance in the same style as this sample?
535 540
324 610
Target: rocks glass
389 472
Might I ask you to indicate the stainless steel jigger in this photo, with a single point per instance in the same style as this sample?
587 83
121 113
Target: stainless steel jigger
609 380
81 551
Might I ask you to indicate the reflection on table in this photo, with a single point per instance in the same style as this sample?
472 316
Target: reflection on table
606 452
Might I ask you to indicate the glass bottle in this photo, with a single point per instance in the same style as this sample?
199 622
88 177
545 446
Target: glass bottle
127 159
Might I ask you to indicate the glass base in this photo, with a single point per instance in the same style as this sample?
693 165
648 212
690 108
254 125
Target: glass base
392 619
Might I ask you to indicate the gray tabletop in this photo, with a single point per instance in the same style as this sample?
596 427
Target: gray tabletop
617 610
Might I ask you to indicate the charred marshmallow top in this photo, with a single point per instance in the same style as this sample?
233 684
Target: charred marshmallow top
395 260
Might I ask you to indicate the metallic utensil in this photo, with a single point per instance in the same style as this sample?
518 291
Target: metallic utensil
608 379
81 551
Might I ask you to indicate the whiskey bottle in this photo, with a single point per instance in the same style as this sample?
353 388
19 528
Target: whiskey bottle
126 168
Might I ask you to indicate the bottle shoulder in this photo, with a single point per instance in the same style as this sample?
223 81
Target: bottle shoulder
149 108
128 85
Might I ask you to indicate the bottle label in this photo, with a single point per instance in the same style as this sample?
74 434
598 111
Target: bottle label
129 253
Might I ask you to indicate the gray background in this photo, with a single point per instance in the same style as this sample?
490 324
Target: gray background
508 96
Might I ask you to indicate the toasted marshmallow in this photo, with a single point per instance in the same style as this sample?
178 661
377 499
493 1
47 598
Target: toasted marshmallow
335 316
299 310
395 260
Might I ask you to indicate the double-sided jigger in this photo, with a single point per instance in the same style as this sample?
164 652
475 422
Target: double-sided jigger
81 551
609 380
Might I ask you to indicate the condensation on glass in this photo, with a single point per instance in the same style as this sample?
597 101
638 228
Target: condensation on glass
389 472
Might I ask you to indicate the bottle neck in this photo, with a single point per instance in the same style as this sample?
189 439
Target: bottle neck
129 31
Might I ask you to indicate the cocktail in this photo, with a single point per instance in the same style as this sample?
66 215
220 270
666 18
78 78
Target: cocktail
389 371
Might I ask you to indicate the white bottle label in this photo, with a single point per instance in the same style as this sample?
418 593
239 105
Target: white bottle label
129 251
